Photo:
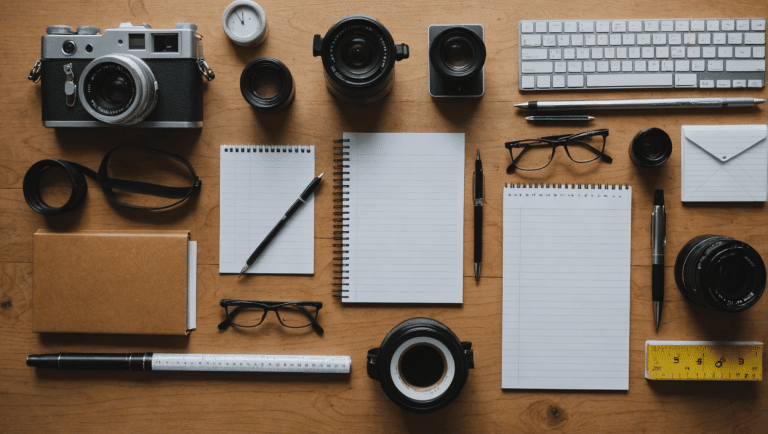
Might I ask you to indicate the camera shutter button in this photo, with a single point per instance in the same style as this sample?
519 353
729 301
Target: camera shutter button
87 30
59 30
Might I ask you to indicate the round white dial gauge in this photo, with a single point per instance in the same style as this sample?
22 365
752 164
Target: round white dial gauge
245 23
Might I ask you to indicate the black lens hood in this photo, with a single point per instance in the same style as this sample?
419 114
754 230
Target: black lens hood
459 355
285 94
658 138
470 38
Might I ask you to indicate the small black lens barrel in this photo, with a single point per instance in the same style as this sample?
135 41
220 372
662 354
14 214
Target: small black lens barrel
651 147
258 71
466 44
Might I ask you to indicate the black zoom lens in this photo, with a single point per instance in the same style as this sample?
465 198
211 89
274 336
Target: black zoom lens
267 84
457 53
720 273
359 56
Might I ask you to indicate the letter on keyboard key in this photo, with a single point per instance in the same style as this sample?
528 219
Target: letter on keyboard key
754 38
714 65
755 83
526 27
534 54
541 27
555 27
743 52
605 26
739 83
682 65
527 82
536 67
651 26
531 40
586 26
758 25
698 65
629 80
685 80
697 25
635 26
745 65
706 84
576 80
558 81
723 83
734 38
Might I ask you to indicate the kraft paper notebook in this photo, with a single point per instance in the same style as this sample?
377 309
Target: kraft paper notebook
566 287
124 282
258 185
399 218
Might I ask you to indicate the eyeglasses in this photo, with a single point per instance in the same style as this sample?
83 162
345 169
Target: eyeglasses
292 314
535 154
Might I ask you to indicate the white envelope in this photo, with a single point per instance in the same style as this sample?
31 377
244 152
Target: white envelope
724 163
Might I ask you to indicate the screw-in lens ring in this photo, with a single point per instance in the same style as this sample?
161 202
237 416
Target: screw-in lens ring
465 37
264 65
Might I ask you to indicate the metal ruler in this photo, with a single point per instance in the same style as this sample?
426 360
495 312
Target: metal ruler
704 360
301 364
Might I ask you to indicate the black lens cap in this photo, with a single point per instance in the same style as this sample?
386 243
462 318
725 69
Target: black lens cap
651 147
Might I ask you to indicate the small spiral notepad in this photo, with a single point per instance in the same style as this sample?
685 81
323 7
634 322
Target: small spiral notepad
258 185
566 287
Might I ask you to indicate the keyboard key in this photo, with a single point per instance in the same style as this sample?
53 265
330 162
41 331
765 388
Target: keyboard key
678 52
577 40
644 39
530 40
577 80
634 52
569 53
586 26
603 26
626 66
615 39
635 26
754 39
628 39
618 26
574 66
640 66
705 38
697 25
660 39
548 40
610 53
718 38
603 66
675 39
739 83
555 27
706 84
648 52
709 52
754 83
689 39
653 66
742 53
651 26
758 25
667 26
570 27
682 65
563 40
533 54
555 53
615 66
727 25
528 82
694 52
715 65
536 67
713 26
558 81
542 81
589 66
745 65
758 52
698 65
685 80
541 27
629 80
602 39
734 38
681 26
742 25
621 53
526 27
560 66
597 53
589 40
723 83
724 52
667 65
582 53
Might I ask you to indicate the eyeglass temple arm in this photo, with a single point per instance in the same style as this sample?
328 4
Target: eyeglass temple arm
603 155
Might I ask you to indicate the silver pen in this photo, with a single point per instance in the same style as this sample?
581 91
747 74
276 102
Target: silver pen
647 103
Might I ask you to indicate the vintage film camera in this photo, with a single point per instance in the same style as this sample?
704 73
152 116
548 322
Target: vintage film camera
132 75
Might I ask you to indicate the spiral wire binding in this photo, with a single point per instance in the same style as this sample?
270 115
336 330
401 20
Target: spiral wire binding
571 186
268 148
341 218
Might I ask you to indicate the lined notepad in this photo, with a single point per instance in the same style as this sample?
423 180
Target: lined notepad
258 185
566 287
400 223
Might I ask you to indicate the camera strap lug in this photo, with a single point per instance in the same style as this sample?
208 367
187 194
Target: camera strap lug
70 88
401 52
201 63
34 74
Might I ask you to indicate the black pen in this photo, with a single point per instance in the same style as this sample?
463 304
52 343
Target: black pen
479 187
658 240
288 214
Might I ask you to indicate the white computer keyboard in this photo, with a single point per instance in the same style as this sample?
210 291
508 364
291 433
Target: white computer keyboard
630 54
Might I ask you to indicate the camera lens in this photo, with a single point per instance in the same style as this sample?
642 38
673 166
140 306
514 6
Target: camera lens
357 60
68 47
267 84
651 147
457 53
720 273
118 89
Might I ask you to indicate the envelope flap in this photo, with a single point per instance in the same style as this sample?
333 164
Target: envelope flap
724 142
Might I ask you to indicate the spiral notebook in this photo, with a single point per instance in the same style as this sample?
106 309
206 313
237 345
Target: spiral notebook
399 218
566 287
258 185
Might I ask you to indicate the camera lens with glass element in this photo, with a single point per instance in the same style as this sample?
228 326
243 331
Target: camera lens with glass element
118 89
68 47
267 84
358 56
456 59
720 273
651 147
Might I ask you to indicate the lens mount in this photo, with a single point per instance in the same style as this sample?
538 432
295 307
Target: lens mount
270 74
118 89
457 53
359 55
720 273
421 365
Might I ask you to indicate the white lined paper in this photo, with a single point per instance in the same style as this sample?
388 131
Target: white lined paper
566 287
258 185
406 218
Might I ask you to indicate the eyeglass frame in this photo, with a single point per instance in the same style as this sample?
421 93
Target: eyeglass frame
270 306
560 140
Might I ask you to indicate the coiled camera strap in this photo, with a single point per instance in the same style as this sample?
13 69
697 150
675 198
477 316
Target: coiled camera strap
77 175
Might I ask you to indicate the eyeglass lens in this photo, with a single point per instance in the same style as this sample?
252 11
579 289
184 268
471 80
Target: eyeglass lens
535 154
290 315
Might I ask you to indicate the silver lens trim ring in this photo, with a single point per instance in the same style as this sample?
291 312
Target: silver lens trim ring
423 394
146 89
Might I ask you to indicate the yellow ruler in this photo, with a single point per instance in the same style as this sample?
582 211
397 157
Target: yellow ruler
704 360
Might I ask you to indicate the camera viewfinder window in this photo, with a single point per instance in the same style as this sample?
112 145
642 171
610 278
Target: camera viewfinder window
136 41
165 43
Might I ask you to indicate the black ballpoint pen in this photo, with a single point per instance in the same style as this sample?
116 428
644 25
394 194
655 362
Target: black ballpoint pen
479 187
658 240
283 220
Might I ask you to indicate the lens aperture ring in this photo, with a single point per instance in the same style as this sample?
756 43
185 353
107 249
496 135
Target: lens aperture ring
255 71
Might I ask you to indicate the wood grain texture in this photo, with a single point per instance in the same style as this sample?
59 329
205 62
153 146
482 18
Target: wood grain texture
33 401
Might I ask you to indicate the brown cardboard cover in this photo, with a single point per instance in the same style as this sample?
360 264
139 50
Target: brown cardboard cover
127 282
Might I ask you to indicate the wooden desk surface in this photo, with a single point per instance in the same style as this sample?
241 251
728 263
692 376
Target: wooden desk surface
33 400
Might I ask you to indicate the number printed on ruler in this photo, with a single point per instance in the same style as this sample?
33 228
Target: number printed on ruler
307 364
704 360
